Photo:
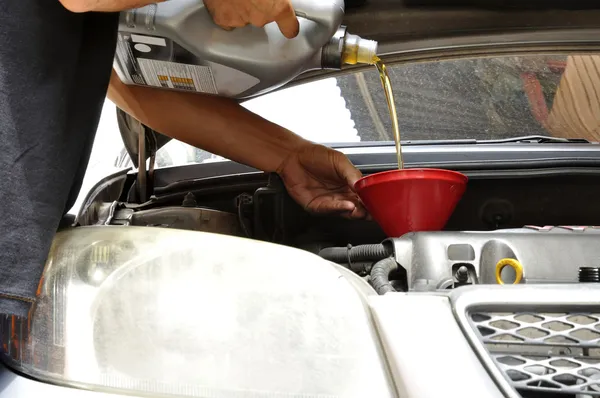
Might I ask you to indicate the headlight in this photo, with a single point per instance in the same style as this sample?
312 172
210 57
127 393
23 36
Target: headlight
169 312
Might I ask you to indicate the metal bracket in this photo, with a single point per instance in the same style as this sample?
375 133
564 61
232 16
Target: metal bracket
270 194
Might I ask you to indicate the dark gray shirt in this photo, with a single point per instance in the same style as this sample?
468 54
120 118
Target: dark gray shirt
54 71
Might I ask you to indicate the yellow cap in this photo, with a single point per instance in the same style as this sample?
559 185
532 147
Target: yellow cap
509 262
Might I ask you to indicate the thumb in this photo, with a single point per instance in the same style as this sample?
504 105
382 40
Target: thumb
347 171
288 22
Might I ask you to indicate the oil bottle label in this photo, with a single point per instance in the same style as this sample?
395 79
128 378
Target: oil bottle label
159 62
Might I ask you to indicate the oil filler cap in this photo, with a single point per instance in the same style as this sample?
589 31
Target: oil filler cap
510 263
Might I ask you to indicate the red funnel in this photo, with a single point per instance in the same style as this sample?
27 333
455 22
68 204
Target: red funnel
411 200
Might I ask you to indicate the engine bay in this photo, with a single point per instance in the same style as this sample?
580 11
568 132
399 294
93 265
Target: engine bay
491 237
529 231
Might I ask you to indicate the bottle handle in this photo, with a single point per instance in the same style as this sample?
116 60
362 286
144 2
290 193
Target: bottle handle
323 12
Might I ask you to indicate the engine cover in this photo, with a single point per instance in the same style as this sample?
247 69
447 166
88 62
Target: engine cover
546 254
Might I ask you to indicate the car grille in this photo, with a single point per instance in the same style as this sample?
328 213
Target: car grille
553 352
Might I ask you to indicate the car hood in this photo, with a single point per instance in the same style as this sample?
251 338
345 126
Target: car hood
420 30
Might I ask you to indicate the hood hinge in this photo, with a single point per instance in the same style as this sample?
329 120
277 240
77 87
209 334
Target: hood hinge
147 148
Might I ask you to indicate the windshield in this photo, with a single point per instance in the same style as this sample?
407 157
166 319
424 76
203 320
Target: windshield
478 98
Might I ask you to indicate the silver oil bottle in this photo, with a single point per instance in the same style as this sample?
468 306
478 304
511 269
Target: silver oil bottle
176 45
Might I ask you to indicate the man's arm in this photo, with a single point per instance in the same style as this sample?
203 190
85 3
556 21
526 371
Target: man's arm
320 179
218 125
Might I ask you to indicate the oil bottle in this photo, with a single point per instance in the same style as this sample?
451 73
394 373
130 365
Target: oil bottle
176 45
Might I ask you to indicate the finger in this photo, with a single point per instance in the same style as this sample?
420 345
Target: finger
351 174
288 22
257 18
344 207
259 22
232 23
347 171
359 213
347 215
331 205
364 213
226 19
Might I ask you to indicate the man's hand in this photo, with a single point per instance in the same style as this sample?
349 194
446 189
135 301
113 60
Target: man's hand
230 14
322 181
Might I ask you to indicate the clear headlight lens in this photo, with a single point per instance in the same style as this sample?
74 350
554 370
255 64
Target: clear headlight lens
160 311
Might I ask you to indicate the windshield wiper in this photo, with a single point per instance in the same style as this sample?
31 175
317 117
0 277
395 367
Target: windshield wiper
536 139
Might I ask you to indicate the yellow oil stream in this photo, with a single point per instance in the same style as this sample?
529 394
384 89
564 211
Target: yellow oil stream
389 95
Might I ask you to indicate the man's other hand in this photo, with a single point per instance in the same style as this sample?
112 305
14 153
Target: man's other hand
230 14
322 181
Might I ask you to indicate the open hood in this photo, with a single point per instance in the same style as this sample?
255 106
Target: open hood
416 30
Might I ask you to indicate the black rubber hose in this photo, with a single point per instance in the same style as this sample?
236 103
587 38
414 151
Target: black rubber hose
380 275
356 253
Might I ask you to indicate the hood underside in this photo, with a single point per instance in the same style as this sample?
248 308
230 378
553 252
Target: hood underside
418 30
